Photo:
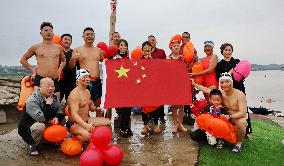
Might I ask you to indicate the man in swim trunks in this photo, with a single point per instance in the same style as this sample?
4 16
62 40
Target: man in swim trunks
80 123
235 101
89 57
48 55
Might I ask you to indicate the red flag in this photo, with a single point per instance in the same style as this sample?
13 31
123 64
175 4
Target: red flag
146 82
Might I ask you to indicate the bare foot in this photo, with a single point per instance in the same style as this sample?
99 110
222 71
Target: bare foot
145 130
249 137
174 130
182 128
157 129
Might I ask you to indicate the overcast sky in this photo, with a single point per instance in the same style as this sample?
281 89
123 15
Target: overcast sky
254 27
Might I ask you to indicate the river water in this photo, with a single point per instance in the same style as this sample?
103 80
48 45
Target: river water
266 89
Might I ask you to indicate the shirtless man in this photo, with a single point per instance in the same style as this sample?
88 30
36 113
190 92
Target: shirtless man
235 101
89 57
50 58
79 103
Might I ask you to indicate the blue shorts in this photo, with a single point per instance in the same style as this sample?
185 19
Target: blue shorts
95 88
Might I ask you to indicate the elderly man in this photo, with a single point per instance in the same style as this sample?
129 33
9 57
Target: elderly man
80 123
235 101
41 108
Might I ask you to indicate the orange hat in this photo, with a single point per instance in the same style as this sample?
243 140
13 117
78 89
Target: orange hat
175 39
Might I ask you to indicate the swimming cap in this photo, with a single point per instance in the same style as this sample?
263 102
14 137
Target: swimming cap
81 73
209 42
226 76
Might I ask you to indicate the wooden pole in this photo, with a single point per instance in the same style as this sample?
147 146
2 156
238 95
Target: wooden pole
113 4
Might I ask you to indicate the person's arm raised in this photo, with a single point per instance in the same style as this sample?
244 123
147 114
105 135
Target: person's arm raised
62 62
200 87
74 58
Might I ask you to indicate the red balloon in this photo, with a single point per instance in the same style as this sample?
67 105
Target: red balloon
91 146
200 104
102 45
92 157
137 53
56 39
112 155
112 50
101 136
105 54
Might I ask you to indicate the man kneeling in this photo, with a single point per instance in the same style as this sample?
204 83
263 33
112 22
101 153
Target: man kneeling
235 101
41 107
80 123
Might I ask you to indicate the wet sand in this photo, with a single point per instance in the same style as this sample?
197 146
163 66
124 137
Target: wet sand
162 149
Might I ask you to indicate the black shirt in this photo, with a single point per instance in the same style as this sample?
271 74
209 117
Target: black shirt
226 66
69 75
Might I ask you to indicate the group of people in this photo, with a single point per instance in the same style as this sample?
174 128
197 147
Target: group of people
81 86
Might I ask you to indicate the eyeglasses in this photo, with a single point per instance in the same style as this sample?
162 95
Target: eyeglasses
185 37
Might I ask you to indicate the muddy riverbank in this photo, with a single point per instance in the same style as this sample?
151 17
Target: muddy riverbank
162 149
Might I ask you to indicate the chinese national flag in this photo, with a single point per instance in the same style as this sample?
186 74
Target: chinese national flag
146 82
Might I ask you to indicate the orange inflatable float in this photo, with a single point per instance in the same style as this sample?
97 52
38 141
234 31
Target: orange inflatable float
55 133
57 39
188 52
196 68
218 127
202 119
137 53
27 88
71 146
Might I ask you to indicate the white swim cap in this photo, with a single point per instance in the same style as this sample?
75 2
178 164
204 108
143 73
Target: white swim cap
209 42
81 73
226 76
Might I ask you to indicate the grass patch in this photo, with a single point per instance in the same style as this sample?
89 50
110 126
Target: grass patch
266 148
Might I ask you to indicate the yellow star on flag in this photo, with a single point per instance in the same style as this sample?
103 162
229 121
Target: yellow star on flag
122 72
138 81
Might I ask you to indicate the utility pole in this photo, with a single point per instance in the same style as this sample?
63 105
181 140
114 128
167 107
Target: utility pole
113 4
